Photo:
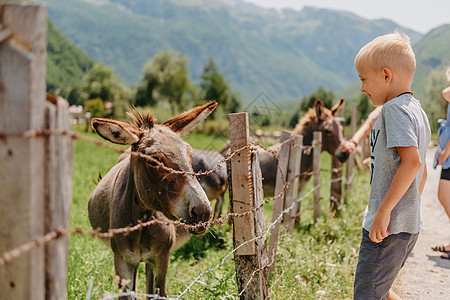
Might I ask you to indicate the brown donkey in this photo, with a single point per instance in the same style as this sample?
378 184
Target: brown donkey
139 190
317 118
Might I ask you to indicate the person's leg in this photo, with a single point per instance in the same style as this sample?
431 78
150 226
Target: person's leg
393 296
444 194
379 264
444 198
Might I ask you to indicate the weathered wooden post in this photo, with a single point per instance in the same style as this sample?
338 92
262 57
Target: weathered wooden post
22 104
35 173
281 179
350 161
317 149
58 195
295 158
246 193
336 180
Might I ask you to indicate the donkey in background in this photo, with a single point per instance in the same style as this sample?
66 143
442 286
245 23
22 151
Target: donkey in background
139 190
317 118
216 183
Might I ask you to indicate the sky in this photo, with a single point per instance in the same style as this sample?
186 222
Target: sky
420 15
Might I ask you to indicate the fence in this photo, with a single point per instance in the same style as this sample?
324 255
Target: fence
36 154
35 173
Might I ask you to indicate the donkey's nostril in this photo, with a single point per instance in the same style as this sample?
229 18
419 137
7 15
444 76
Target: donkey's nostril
200 214
192 213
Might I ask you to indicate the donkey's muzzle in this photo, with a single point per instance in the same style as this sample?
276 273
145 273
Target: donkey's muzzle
198 215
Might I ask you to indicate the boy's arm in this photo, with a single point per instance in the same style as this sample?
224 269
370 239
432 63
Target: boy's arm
409 167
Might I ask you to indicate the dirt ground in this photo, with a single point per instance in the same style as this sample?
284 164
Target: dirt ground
426 275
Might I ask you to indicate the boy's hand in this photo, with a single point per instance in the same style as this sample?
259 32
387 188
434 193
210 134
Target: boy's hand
379 227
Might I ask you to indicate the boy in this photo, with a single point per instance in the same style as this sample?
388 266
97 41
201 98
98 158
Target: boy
398 142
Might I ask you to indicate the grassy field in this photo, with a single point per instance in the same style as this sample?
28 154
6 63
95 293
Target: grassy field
317 261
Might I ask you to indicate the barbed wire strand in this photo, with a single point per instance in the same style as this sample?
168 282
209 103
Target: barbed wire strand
58 233
270 227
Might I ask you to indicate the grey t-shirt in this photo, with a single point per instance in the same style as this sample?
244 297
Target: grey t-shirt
402 123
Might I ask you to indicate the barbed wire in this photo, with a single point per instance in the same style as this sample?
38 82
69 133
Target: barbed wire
270 227
8 256
58 233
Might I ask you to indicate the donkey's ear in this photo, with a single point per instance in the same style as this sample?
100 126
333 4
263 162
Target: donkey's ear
115 131
185 122
338 107
320 109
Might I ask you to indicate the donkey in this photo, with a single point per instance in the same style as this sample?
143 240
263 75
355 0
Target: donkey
138 190
317 118
215 183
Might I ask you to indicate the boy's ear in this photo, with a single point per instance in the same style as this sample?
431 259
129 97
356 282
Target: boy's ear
388 75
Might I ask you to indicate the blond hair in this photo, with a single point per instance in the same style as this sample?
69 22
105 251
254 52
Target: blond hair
448 74
392 51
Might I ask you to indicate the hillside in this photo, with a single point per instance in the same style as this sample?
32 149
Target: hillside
287 54
432 53
66 64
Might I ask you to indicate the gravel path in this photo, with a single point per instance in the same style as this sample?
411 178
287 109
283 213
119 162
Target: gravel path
426 275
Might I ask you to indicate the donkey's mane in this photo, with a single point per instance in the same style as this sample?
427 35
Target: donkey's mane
306 119
141 119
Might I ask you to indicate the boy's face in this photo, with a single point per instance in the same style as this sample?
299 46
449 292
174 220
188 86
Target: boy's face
374 85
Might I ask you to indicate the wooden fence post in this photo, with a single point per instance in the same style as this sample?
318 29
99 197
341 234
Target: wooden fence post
283 160
22 103
350 161
246 193
295 158
336 180
35 177
317 149
58 196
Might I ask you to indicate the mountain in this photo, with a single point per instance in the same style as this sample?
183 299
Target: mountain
287 54
66 64
432 54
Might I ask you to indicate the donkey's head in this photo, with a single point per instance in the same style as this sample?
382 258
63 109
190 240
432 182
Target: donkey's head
320 118
157 175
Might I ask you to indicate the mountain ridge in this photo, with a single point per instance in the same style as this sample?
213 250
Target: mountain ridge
286 53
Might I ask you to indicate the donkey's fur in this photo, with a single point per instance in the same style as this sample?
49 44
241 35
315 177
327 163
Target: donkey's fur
317 118
137 190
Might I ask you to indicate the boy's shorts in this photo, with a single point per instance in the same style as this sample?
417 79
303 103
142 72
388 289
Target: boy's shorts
379 264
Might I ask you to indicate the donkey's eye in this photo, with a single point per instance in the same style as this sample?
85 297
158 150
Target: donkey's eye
328 132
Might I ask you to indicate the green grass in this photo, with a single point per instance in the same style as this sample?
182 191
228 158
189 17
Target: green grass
317 261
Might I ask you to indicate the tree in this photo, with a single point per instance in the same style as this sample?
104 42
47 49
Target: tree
95 107
327 98
214 87
165 79
364 107
100 82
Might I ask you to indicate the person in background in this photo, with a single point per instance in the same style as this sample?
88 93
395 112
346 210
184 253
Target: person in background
399 141
442 158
